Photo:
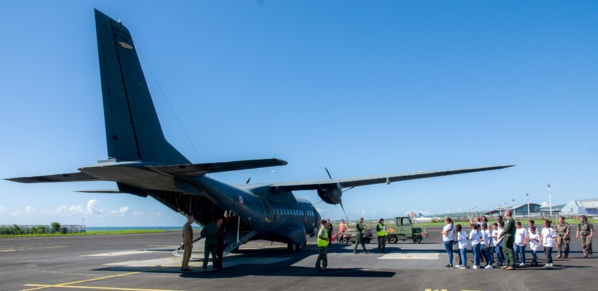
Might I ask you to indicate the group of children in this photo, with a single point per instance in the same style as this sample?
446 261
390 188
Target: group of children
486 243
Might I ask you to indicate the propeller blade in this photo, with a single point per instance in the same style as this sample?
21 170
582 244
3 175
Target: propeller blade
344 211
248 180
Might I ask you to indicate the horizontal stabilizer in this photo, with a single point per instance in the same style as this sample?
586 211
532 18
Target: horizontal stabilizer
69 177
103 191
197 170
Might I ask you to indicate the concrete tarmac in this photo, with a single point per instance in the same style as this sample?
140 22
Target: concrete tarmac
145 262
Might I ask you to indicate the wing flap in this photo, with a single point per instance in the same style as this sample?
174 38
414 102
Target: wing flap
363 181
67 177
197 170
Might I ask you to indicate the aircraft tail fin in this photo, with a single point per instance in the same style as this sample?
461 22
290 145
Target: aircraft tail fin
133 131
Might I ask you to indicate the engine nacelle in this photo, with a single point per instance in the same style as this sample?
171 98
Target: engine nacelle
331 196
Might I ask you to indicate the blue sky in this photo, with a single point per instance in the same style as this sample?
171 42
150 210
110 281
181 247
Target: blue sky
360 87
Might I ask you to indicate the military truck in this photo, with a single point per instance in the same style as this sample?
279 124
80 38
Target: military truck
404 230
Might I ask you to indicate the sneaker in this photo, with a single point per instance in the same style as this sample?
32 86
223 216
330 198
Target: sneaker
488 267
547 266
551 265
457 266
449 266
475 267
522 265
463 267
510 268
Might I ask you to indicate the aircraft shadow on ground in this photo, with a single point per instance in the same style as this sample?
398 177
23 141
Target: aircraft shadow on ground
283 266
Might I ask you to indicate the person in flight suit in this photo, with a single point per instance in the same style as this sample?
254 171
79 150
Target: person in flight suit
359 239
219 244
562 237
585 231
508 235
187 243
210 232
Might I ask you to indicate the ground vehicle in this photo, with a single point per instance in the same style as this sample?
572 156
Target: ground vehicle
351 236
404 231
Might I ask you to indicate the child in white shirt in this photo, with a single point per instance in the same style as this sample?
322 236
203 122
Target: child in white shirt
547 238
533 238
519 245
462 240
475 236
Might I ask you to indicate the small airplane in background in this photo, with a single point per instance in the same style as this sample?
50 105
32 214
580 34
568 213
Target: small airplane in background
143 163
420 218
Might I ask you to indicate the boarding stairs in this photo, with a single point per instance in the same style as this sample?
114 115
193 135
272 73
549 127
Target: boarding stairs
235 243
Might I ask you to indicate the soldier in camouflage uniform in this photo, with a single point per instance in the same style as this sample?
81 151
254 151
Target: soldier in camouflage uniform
585 230
562 237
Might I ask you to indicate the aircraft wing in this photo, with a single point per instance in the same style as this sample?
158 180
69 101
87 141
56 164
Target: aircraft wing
354 182
68 177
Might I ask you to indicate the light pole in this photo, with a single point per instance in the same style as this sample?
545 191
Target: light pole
550 199
513 207
526 194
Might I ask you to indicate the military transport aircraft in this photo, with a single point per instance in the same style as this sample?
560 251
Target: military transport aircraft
143 163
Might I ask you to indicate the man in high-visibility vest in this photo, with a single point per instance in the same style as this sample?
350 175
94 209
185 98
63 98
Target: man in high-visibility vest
381 231
322 244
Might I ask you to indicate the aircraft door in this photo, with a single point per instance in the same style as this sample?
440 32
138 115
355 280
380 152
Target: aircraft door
267 209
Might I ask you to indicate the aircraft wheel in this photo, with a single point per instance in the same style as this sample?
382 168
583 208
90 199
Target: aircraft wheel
294 248
392 239
417 239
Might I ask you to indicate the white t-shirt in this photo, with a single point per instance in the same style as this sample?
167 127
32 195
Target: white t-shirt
494 236
451 231
534 240
462 239
520 235
499 239
548 237
475 237
488 240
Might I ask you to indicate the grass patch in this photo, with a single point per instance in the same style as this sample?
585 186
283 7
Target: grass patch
93 232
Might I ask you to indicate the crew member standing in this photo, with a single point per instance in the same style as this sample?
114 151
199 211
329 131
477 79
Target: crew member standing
329 230
508 235
187 243
210 232
585 230
381 231
219 244
322 244
359 238
562 237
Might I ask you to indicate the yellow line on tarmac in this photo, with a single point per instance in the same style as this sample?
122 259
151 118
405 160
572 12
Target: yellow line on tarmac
94 288
64 285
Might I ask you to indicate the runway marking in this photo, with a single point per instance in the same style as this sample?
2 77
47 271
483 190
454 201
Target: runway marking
410 256
66 285
17 249
116 254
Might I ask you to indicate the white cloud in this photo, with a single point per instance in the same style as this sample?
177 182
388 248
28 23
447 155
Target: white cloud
121 211
3 210
93 207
